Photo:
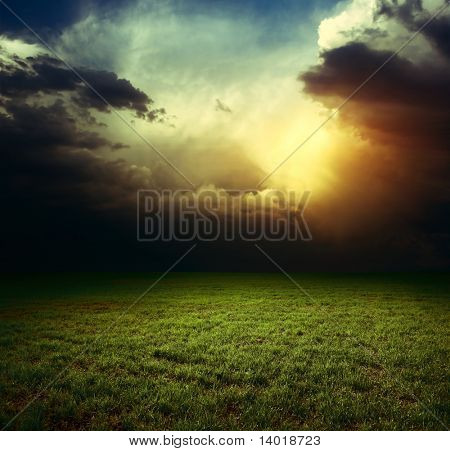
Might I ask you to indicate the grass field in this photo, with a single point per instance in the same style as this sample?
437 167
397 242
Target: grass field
225 351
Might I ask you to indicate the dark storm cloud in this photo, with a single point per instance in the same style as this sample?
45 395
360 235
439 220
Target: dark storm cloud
120 93
399 187
32 75
36 128
404 102
48 130
47 75
412 14
60 198
400 81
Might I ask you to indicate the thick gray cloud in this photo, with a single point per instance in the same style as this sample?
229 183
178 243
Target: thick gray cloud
57 192
39 128
412 14
47 75
404 103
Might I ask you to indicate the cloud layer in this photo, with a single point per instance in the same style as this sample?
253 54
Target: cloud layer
228 80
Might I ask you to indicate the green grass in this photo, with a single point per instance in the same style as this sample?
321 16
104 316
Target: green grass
225 351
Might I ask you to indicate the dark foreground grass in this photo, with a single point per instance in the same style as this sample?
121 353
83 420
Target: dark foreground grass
225 351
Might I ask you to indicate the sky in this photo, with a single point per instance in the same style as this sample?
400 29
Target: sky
225 90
